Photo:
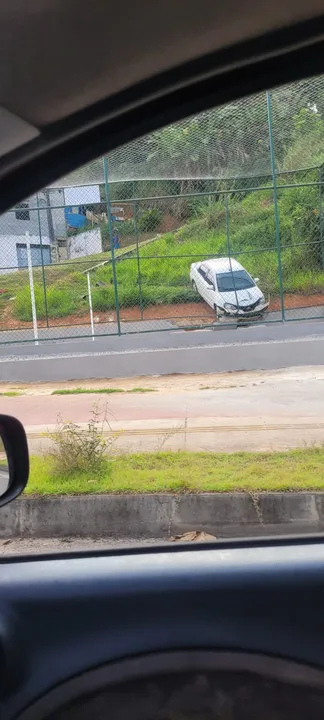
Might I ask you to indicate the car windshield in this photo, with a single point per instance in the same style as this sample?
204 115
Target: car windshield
235 280
151 401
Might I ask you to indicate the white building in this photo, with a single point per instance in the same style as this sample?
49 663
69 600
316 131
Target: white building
44 218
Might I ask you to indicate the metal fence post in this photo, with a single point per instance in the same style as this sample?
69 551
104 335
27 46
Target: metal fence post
275 202
31 287
42 257
138 261
112 250
90 306
228 245
320 191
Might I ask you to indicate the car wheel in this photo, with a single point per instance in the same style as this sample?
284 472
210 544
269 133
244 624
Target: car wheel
217 313
194 286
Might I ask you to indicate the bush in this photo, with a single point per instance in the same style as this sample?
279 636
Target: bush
149 220
77 450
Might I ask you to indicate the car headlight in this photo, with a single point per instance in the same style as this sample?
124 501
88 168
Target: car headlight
262 300
229 306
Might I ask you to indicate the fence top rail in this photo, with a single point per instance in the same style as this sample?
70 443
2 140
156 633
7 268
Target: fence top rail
213 178
121 253
207 193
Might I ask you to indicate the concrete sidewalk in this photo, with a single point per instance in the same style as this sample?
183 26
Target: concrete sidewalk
232 412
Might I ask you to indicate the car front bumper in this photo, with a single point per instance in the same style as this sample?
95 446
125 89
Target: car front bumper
241 313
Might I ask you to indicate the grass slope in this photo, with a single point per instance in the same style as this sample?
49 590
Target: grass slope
161 275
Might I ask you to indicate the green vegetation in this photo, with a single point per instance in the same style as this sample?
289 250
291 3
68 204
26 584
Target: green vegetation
296 470
165 263
150 220
247 232
80 452
100 391
141 390
87 391
10 393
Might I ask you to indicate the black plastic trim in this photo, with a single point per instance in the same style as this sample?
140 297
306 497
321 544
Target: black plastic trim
157 664
15 443
275 58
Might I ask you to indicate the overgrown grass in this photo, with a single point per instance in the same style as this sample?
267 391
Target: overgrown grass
295 470
100 391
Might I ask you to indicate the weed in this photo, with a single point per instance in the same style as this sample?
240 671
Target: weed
80 451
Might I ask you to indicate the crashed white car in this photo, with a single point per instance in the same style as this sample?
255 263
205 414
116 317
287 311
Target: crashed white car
228 288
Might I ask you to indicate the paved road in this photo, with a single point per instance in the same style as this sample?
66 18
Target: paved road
83 331
4 479
268 346
250 411
29 546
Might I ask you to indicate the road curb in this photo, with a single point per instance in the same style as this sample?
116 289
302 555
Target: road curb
163 515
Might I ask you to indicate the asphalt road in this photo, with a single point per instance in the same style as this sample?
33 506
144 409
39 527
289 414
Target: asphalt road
261 347
4 479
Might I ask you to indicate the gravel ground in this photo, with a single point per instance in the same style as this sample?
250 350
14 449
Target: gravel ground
25 546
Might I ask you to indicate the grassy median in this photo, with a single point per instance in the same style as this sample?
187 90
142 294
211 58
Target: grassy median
187 472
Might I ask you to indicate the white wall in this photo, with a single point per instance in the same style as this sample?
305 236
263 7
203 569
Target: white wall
86 243
83 195
8 250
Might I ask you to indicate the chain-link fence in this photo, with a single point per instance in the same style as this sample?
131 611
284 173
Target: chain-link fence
217 219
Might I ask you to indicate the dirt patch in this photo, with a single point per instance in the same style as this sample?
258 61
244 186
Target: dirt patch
294 300
177 383
182 314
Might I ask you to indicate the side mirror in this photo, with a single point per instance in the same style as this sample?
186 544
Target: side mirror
256 280
14 459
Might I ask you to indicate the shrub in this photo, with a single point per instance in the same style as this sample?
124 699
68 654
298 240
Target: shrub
77 450
149 220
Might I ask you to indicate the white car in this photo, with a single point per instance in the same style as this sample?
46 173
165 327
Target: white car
228 288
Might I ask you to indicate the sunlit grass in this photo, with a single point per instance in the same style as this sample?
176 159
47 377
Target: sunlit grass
101 391
295 470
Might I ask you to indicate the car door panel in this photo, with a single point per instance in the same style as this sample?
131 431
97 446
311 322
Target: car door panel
219 299
201 281
210 288
61 617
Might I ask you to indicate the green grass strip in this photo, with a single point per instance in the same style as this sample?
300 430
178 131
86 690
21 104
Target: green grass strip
178 472
101 391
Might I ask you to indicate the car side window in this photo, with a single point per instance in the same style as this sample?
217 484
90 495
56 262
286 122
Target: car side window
202 271
210 278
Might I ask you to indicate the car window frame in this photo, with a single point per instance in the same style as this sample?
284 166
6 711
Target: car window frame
209 278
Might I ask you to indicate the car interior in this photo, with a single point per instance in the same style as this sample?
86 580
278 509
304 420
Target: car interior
230 629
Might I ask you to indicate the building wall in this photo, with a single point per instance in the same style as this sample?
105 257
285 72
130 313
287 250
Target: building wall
38 221
8 250
83 244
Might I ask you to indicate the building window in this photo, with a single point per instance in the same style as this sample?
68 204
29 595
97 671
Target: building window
22 212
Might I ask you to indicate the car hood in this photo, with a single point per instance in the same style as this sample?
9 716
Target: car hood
242 298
